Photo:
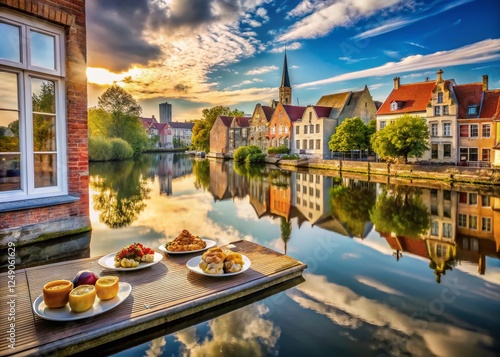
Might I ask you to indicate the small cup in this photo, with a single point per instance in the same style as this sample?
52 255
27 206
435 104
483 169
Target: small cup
56 293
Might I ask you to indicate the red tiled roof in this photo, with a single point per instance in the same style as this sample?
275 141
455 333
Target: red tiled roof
322 112
490 108
414 98
268 111
468 94
414 245
242 122
226 120
294 112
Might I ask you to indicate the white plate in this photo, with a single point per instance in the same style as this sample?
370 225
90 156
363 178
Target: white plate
210 244
108 262
66 314
192 265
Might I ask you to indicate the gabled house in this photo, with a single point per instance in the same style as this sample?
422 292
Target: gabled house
179 134
312 132
259 126
411 99
44 173
478 109
153 128
238 133
280 125
219 136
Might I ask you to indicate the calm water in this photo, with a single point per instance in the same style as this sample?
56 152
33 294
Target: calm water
372 287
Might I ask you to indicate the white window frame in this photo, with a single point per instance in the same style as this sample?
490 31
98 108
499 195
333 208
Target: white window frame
445 127
25 71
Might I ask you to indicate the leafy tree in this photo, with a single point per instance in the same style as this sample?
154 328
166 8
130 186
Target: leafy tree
400 210
350 135
118 117
407 137
371 128
202 127
98 119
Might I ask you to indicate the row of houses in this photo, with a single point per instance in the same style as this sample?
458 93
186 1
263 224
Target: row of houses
170 134
462 119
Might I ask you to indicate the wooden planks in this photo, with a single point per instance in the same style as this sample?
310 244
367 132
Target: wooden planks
165 292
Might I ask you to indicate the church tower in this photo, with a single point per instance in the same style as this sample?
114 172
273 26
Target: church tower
285 88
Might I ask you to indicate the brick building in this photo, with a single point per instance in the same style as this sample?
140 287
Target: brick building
43 120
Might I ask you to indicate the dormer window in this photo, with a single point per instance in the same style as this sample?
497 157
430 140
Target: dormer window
440 97
394 106
472 110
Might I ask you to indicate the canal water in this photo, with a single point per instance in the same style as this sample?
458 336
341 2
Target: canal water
393 270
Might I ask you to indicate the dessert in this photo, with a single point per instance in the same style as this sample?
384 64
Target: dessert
132 255
186 242
107 287
56 293
82 298
212 261
233 263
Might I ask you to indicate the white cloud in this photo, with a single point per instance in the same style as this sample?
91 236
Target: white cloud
483 51
290 47
350 60
261 70
415 44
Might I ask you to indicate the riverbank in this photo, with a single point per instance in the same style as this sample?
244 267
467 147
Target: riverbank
449 174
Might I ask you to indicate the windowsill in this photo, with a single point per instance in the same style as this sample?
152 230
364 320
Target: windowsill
37 203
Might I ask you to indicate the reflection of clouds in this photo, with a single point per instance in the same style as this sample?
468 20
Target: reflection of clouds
492 274
244 332
394 331
350 256
244 210
156 347
377 285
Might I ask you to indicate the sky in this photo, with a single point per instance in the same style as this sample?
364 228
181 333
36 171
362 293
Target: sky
197 54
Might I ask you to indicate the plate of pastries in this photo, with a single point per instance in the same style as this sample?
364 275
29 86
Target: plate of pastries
186 243
219 262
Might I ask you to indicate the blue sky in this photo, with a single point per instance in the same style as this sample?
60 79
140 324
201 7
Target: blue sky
196 54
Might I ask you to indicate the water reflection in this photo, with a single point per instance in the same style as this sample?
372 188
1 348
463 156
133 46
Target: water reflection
370 286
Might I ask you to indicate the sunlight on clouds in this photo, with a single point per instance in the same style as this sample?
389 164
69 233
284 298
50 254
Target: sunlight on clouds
391 328
103 76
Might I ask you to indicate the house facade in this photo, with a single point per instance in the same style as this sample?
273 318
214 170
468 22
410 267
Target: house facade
179 134
43 121
259 126
238 133
219 136
312 132
281 123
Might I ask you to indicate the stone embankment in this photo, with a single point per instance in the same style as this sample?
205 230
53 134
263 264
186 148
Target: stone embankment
448 174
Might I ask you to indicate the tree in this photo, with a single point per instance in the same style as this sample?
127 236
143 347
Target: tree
350 135
407 137
117 116
202 127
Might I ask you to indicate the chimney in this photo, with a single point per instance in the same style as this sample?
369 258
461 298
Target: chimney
396 82
439 76
485 82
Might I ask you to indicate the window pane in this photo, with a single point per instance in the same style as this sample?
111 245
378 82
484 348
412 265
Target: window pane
9 113
45 170
43 96
10 44
44 132
10 172
43 51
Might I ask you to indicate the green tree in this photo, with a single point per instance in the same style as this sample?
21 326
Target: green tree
202 127
98 120
122 118
350 135
371 128
400 210
407 137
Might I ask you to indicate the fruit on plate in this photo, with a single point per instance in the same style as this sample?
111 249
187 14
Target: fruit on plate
56 293
233 263
85 277
107 287
212 261
82 298
185 242
132 255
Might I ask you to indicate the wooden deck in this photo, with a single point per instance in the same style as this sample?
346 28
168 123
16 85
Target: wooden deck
162 295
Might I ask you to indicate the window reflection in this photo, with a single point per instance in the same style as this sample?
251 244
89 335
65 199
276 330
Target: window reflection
45 170
10 44
42 48
10 172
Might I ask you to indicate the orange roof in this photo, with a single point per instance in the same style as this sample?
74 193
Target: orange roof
490 107
468 94
413 97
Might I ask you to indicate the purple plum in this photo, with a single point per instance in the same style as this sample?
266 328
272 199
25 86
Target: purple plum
85 277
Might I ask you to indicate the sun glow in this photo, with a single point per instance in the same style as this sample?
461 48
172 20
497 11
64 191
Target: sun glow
102 76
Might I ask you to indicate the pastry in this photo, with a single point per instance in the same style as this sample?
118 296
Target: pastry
233 263
212 261
186 242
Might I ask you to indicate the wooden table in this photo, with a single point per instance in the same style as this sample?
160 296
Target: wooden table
162 294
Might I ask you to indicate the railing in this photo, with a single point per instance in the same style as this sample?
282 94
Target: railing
476 164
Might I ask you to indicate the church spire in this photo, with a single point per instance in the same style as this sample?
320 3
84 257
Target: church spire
285 88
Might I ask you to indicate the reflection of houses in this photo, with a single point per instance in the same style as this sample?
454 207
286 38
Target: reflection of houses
259 195
171 167
219 180
280 195
43 56
443 207
312 196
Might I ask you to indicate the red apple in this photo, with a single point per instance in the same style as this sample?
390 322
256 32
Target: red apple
85 277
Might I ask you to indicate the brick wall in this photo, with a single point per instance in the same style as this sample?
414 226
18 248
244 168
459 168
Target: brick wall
71 16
